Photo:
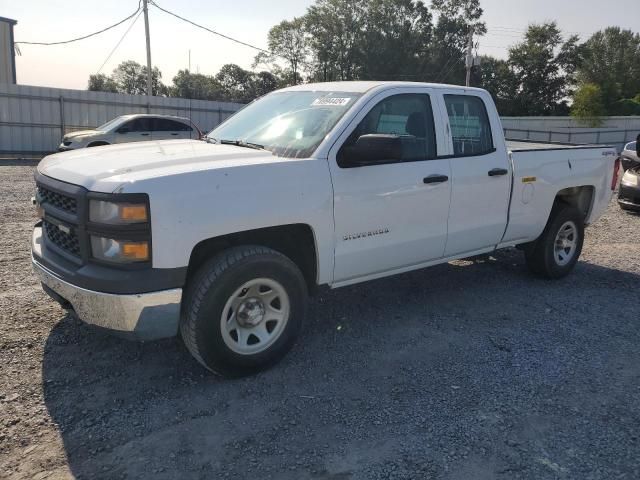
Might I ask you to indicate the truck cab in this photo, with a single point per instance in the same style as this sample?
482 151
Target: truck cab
318 184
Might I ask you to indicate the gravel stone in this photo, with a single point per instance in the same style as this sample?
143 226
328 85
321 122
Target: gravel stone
473 369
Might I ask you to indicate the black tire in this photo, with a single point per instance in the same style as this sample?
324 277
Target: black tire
97 144
210 289
541 255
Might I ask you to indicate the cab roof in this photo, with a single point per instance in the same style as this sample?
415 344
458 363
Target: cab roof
365 86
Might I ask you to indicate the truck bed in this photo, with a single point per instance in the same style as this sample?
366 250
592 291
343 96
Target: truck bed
528 146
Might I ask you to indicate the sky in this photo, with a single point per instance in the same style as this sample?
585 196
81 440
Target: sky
69 66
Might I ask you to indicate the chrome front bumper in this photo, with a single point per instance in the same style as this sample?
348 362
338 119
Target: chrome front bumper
145 316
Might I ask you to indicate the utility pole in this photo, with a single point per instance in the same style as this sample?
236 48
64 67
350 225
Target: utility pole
146 32
469 58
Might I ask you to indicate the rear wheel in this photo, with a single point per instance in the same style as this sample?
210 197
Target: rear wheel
555 253
243 310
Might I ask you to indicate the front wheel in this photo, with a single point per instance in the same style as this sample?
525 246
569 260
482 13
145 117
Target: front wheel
555 253
243 310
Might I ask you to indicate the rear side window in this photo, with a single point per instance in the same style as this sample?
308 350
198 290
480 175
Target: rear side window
166 125
142 124
470 127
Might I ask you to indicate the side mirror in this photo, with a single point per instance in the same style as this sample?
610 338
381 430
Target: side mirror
638 145
123 130
372 149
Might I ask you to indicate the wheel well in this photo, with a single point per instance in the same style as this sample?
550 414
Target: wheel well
295 241
99 143
578 197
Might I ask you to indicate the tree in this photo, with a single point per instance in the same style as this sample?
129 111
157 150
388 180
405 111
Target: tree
498 78
101 83
588 106
131 77
335 28
611 59
196 86
395 38
288 41
263 83
543 83
456 20
236 83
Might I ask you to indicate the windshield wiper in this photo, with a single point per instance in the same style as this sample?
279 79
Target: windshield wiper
242 143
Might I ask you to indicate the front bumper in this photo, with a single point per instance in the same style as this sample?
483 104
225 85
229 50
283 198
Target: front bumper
140 316
144 316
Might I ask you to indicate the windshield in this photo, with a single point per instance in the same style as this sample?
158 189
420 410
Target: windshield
111 123
288 124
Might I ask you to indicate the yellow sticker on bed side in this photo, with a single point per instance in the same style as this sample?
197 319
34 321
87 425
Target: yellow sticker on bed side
528 179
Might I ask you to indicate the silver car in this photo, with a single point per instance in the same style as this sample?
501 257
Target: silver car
629 156
132 128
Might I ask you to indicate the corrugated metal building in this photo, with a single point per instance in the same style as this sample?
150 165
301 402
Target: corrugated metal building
7 51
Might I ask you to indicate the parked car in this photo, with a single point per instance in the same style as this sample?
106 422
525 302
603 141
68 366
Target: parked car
629 156
132 128
317 184
629 193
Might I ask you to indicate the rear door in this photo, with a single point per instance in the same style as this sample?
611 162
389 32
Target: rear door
136 130
481 173
167 129
391 216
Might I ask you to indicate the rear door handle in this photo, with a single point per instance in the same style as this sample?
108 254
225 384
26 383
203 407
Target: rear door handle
435 179
498 172
144 134
174 134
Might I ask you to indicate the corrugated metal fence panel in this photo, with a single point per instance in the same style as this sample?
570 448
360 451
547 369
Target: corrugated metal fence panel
33 119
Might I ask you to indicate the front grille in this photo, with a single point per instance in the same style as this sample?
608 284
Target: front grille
68 242
58 200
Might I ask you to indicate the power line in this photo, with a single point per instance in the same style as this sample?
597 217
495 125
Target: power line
119 42
85 36
209 30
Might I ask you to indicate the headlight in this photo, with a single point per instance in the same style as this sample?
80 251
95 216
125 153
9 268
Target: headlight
630 178
113 213
119 251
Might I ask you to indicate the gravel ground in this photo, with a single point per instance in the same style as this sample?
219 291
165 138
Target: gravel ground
471 370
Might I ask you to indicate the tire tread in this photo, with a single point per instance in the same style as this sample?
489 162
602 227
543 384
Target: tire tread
205 277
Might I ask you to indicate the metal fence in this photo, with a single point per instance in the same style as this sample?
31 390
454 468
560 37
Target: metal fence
615 138
34 119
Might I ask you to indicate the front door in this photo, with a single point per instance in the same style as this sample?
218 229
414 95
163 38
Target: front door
393 214
136 130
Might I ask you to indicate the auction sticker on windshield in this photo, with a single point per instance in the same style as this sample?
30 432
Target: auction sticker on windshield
331 102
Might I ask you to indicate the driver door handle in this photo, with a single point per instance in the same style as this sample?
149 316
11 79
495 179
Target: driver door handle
144 134
498 172
431 179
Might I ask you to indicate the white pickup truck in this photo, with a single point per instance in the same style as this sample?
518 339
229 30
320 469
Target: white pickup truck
318 184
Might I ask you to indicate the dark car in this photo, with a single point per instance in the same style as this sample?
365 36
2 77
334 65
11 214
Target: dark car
629 156
629 194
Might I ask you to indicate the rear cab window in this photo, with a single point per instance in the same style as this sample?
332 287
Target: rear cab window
469 124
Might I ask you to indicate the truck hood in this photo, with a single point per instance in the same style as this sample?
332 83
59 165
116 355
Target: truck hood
105 169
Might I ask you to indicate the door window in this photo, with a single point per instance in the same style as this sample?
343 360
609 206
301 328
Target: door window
409 117
470 127
166 125
142 124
